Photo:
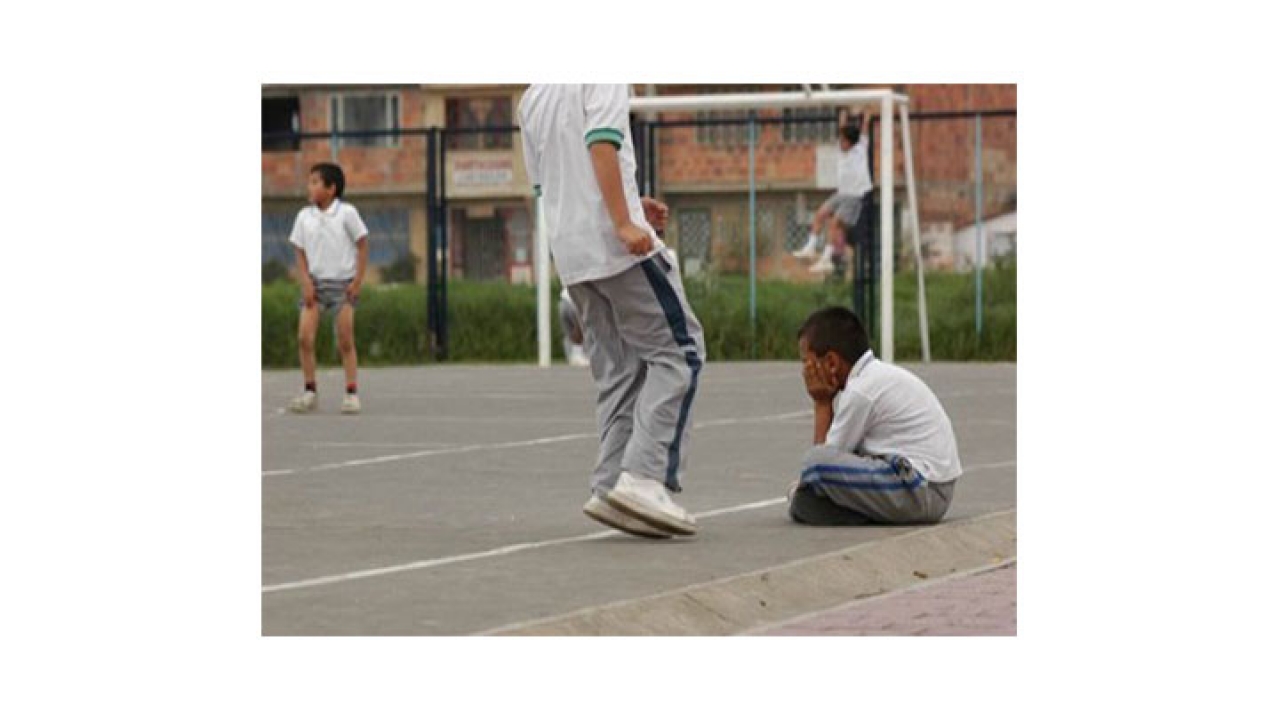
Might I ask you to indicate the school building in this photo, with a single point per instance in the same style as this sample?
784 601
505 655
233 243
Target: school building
702 174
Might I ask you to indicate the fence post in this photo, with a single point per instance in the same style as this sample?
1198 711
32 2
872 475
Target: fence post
979 261
433 216
751 211
442 247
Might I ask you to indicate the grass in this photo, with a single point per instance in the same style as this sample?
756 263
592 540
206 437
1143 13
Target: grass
495 322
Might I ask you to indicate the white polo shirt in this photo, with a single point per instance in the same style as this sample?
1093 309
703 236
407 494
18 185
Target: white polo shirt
885 410
329 238
557 125
852 175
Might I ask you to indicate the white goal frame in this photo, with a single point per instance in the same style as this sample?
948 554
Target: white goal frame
883 100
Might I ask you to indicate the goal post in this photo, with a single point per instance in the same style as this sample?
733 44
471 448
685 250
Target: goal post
881 101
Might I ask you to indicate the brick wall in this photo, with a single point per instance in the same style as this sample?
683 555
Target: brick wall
368 169
943 154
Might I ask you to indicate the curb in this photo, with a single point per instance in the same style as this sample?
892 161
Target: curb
766 597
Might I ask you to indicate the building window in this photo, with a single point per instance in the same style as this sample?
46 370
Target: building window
471 113
281 123
693 240
377 114
276 247
388 235
808 125
734 135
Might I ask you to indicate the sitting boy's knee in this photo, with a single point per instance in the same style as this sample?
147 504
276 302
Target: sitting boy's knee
817 455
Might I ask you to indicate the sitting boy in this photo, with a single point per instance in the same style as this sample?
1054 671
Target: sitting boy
883 449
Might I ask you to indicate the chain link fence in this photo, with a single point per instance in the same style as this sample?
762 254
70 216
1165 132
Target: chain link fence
451 217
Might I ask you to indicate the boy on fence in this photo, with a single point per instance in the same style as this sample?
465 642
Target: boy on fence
332 247
883 449
644 344
844 207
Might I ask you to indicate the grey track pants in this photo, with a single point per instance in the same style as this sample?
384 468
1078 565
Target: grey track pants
646 352
840 488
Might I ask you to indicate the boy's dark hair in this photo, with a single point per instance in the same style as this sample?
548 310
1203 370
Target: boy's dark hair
332 176
835 328
852 131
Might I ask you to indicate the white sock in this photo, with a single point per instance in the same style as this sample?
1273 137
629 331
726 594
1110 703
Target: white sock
826 252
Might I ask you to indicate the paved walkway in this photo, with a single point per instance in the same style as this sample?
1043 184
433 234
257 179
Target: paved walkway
981 604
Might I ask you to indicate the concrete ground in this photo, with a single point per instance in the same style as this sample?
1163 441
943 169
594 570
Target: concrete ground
984 603
452 505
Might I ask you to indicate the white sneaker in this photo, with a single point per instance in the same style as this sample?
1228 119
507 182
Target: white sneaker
648 500
809 251
823 267
350 404
605 514
578 358
304 403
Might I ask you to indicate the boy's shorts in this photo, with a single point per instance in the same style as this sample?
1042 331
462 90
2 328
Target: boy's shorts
846 208
331 295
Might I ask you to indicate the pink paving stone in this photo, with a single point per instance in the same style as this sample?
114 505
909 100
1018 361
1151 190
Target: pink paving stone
981 604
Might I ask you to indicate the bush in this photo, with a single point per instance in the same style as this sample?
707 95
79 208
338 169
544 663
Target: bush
274 270
496 321
401 270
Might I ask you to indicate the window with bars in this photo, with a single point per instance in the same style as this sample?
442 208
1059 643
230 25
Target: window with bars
694 238
374 113
723 135
388 234
808 125
471 113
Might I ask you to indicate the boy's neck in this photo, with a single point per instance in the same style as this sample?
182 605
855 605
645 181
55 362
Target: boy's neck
326 205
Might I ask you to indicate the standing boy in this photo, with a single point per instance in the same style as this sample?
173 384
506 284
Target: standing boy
841 210
645 345
332 246
883 449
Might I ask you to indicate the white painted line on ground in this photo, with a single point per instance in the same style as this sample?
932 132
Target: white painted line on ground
506 550
518 547
454 450
428 453
322 443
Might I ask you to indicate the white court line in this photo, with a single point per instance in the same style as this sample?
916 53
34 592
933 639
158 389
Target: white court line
507 445
518 547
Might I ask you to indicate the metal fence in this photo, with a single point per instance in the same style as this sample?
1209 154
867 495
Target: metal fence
452 203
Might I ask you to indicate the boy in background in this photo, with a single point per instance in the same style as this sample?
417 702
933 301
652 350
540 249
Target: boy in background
842 209
331 243
883 449
644 343
571 328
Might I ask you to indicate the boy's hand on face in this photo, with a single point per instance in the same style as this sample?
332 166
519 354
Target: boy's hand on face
656 213
819 383
637 240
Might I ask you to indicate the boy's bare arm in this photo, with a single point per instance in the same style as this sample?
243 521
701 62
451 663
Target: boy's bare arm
304 278
362 262
604 160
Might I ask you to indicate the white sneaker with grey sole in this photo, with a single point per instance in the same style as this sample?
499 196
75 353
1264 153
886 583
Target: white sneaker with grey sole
304 403
649 501
605 514
351 404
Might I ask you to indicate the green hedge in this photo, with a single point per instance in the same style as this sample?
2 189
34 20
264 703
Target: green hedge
493 322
